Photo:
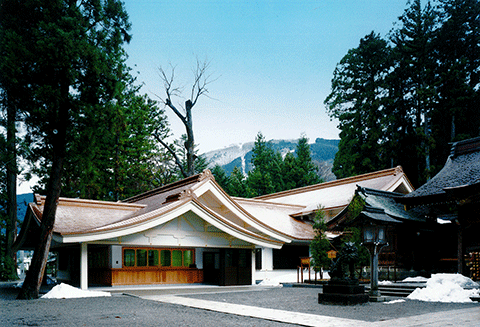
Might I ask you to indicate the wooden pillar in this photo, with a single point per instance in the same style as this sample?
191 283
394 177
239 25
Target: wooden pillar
83 266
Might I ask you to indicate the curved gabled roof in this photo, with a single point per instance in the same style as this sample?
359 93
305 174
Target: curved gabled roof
338 193
86 220
279 217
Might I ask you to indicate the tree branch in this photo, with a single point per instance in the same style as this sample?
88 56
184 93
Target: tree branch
178 162
201 81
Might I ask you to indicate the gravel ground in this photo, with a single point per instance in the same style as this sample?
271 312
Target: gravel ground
128 310
118 310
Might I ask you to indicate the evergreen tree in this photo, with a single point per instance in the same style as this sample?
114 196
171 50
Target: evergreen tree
457 49
67 57
358 100
304 162
320 245
415 68
291 172
299 169
266 176
238 185
423 92
221 177
116 163
7 262
181 157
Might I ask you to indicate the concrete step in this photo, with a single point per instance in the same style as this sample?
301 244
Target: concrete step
400 289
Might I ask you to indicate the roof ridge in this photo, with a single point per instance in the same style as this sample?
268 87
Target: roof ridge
465 146
164 188
260 201
342 181
372 191
40 200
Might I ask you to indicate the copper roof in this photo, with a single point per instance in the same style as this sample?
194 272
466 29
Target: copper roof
338 193
268 217
79 217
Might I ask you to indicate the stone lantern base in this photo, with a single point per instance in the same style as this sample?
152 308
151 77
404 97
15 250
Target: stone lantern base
344 292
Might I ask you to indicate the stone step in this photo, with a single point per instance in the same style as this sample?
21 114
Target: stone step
401 290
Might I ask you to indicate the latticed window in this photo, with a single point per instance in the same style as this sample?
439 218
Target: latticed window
144 257
129 258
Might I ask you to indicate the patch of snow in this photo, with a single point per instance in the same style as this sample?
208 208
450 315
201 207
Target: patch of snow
418 279
270 282
395 301
65 291
446 288
244 166
276 277
385 282
443 221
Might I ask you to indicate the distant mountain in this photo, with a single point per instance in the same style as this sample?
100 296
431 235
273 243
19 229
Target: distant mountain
240 155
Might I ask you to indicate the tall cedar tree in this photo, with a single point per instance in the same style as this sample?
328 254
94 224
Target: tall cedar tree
357 100
458 76
8 269
10 91
428 96
415 67
71 53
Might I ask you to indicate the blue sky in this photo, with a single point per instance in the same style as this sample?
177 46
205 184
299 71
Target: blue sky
272 61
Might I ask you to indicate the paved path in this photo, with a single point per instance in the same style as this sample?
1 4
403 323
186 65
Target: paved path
464 317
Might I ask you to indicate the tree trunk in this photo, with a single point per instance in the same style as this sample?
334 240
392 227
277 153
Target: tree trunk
34 278
190 143
11 224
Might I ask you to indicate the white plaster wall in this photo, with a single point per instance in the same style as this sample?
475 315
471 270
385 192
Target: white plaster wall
116 256
187 230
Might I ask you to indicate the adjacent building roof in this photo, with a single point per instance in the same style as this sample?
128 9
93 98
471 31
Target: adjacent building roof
378 206
461 172
338 193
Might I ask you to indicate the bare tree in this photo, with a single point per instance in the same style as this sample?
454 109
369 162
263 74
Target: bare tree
199 88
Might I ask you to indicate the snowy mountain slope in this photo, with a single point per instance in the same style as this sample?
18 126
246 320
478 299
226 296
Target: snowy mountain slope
240 155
